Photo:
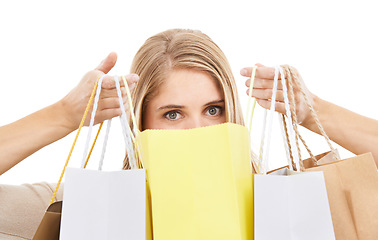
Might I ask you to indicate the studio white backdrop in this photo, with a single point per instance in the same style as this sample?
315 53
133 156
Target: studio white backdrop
47 46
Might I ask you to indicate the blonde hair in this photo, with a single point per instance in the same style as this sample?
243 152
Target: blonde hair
178 49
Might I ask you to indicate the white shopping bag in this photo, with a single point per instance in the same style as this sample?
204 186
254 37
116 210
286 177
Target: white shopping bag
105 205
288 205
291 206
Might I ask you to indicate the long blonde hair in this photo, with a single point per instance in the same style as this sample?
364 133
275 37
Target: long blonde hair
178 49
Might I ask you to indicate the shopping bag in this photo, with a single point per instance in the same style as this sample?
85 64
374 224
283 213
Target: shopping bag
97 204
105 205
323 158
49 227
288 204
200 182
352 186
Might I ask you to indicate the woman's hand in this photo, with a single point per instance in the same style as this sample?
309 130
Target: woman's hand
22 138
77 99
262 91
358 134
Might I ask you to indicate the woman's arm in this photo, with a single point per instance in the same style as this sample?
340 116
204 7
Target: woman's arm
22 138
350 130
357 133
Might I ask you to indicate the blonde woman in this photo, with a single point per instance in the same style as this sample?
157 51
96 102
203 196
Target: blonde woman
185 81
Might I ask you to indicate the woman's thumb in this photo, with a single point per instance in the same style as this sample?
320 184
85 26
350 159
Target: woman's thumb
108 63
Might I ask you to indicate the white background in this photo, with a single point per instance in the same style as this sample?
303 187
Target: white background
47 46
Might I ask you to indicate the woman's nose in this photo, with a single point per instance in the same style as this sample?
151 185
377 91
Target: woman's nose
195 122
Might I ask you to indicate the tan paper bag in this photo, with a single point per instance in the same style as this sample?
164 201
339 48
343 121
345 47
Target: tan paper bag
50 225
352 188
352 184
322 158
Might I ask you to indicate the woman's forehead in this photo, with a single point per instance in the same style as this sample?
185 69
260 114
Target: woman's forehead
183 86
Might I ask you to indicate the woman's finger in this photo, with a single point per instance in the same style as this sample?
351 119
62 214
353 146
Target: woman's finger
112 93
109 83
263 83
266 94
111 102
107 114
280 107
261 72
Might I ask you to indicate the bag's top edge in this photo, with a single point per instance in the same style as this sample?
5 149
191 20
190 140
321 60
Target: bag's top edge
192 129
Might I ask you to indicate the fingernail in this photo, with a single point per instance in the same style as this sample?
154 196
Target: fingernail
243 71
134 77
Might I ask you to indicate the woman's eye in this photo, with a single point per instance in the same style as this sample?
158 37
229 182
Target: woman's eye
172 115
214 111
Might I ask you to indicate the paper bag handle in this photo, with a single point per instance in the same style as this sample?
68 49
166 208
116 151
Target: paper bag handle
293 154
93 94
291 115
267 128
75 140
127 134
249 112
293 78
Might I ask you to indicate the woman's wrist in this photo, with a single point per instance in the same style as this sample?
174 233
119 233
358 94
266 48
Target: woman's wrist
63 116
309 121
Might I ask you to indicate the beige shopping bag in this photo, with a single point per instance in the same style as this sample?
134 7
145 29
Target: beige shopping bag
50 225
352 187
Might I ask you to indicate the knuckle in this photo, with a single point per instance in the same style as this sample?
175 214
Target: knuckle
107 82
115 102
265 83
268 94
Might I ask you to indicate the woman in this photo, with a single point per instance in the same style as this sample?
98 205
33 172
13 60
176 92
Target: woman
185 82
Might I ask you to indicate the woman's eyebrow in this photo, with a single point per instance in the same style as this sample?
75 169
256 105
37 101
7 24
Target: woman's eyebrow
214 102
170 106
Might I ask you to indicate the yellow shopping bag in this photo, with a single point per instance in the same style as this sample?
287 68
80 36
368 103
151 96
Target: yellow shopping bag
200 182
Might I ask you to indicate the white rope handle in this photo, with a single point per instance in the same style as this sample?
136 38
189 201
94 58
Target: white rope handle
291 132
91 123
265 145
287 107
126 129
108 125
124 124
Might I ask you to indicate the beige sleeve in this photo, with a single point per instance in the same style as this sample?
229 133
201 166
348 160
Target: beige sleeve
22 208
